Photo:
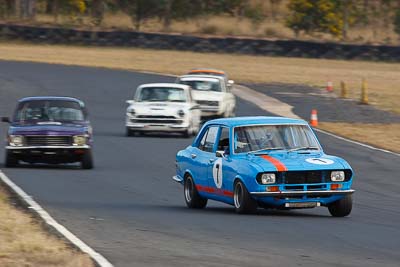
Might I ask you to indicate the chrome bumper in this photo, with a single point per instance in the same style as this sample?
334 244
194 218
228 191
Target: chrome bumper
298 193
177 179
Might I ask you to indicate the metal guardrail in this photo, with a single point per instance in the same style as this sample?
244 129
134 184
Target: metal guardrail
287 48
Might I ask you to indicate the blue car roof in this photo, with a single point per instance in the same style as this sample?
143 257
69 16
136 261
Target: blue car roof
32 98
238 121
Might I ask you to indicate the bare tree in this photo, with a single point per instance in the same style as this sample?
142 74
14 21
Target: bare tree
167 14
25 9
274 4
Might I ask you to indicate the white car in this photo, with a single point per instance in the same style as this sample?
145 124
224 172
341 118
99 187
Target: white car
212 94
163 107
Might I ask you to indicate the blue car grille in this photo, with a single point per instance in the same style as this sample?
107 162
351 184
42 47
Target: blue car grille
304 177
45 140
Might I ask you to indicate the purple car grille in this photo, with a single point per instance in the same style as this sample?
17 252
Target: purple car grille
44 140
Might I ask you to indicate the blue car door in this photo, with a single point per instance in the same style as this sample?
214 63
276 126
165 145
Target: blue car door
202 157
219 168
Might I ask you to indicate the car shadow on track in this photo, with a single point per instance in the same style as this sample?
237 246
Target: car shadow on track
260 212
44 166
159 135
142 135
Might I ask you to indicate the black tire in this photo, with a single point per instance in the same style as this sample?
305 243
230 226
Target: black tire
244 203
233 113
341 207
188 133
11 161
192 198
87 160
129 132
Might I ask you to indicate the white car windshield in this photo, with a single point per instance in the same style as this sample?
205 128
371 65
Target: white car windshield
203 85
161 94
274 137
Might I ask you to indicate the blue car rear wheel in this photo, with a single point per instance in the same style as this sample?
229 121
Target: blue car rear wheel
192 198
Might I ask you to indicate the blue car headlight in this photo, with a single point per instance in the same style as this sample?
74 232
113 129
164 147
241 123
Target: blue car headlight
268 178
337 176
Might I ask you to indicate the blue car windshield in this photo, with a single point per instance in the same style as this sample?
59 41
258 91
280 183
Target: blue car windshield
274 137
49 110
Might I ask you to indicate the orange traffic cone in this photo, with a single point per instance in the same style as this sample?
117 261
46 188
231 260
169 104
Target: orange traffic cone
329 86
314 118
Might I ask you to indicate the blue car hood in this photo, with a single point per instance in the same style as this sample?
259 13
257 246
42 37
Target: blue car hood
293 161
48 129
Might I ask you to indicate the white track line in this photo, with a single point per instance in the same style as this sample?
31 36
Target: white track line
98 258
357 143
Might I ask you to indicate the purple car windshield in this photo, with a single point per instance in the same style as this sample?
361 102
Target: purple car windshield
49 110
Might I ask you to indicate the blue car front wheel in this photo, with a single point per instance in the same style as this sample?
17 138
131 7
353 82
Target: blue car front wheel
244 203
341 207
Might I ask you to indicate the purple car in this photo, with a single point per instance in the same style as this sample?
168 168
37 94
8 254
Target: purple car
50 130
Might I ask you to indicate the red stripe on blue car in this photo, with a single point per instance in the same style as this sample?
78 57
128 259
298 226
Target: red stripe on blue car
213 190
280 167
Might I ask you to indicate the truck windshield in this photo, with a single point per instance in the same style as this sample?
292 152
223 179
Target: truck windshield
203 85
274 137
161 94
49 110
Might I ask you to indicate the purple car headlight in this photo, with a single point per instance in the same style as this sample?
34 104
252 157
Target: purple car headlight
16 140
79 140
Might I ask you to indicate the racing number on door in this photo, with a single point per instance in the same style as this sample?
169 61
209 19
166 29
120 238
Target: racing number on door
217 173
222 145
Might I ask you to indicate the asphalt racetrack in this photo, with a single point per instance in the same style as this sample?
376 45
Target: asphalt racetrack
129 209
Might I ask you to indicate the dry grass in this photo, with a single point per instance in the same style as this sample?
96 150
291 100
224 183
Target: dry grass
24 243
380 135
383 78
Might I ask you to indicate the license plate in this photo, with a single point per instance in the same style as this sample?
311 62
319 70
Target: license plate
302 205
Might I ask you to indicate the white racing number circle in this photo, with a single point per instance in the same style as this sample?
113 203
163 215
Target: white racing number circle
320 161
217 173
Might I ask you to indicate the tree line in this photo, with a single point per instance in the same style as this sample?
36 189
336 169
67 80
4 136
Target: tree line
304 16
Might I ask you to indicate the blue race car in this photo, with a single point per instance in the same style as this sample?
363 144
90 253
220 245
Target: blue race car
269 162
49 130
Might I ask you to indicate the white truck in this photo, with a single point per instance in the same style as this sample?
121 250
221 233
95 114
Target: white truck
212 93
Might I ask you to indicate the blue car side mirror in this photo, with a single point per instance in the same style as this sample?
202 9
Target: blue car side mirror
219 154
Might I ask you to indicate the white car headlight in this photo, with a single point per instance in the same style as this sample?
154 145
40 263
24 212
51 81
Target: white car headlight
337 176
268 178
16 140
79 140
181 113
131 112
